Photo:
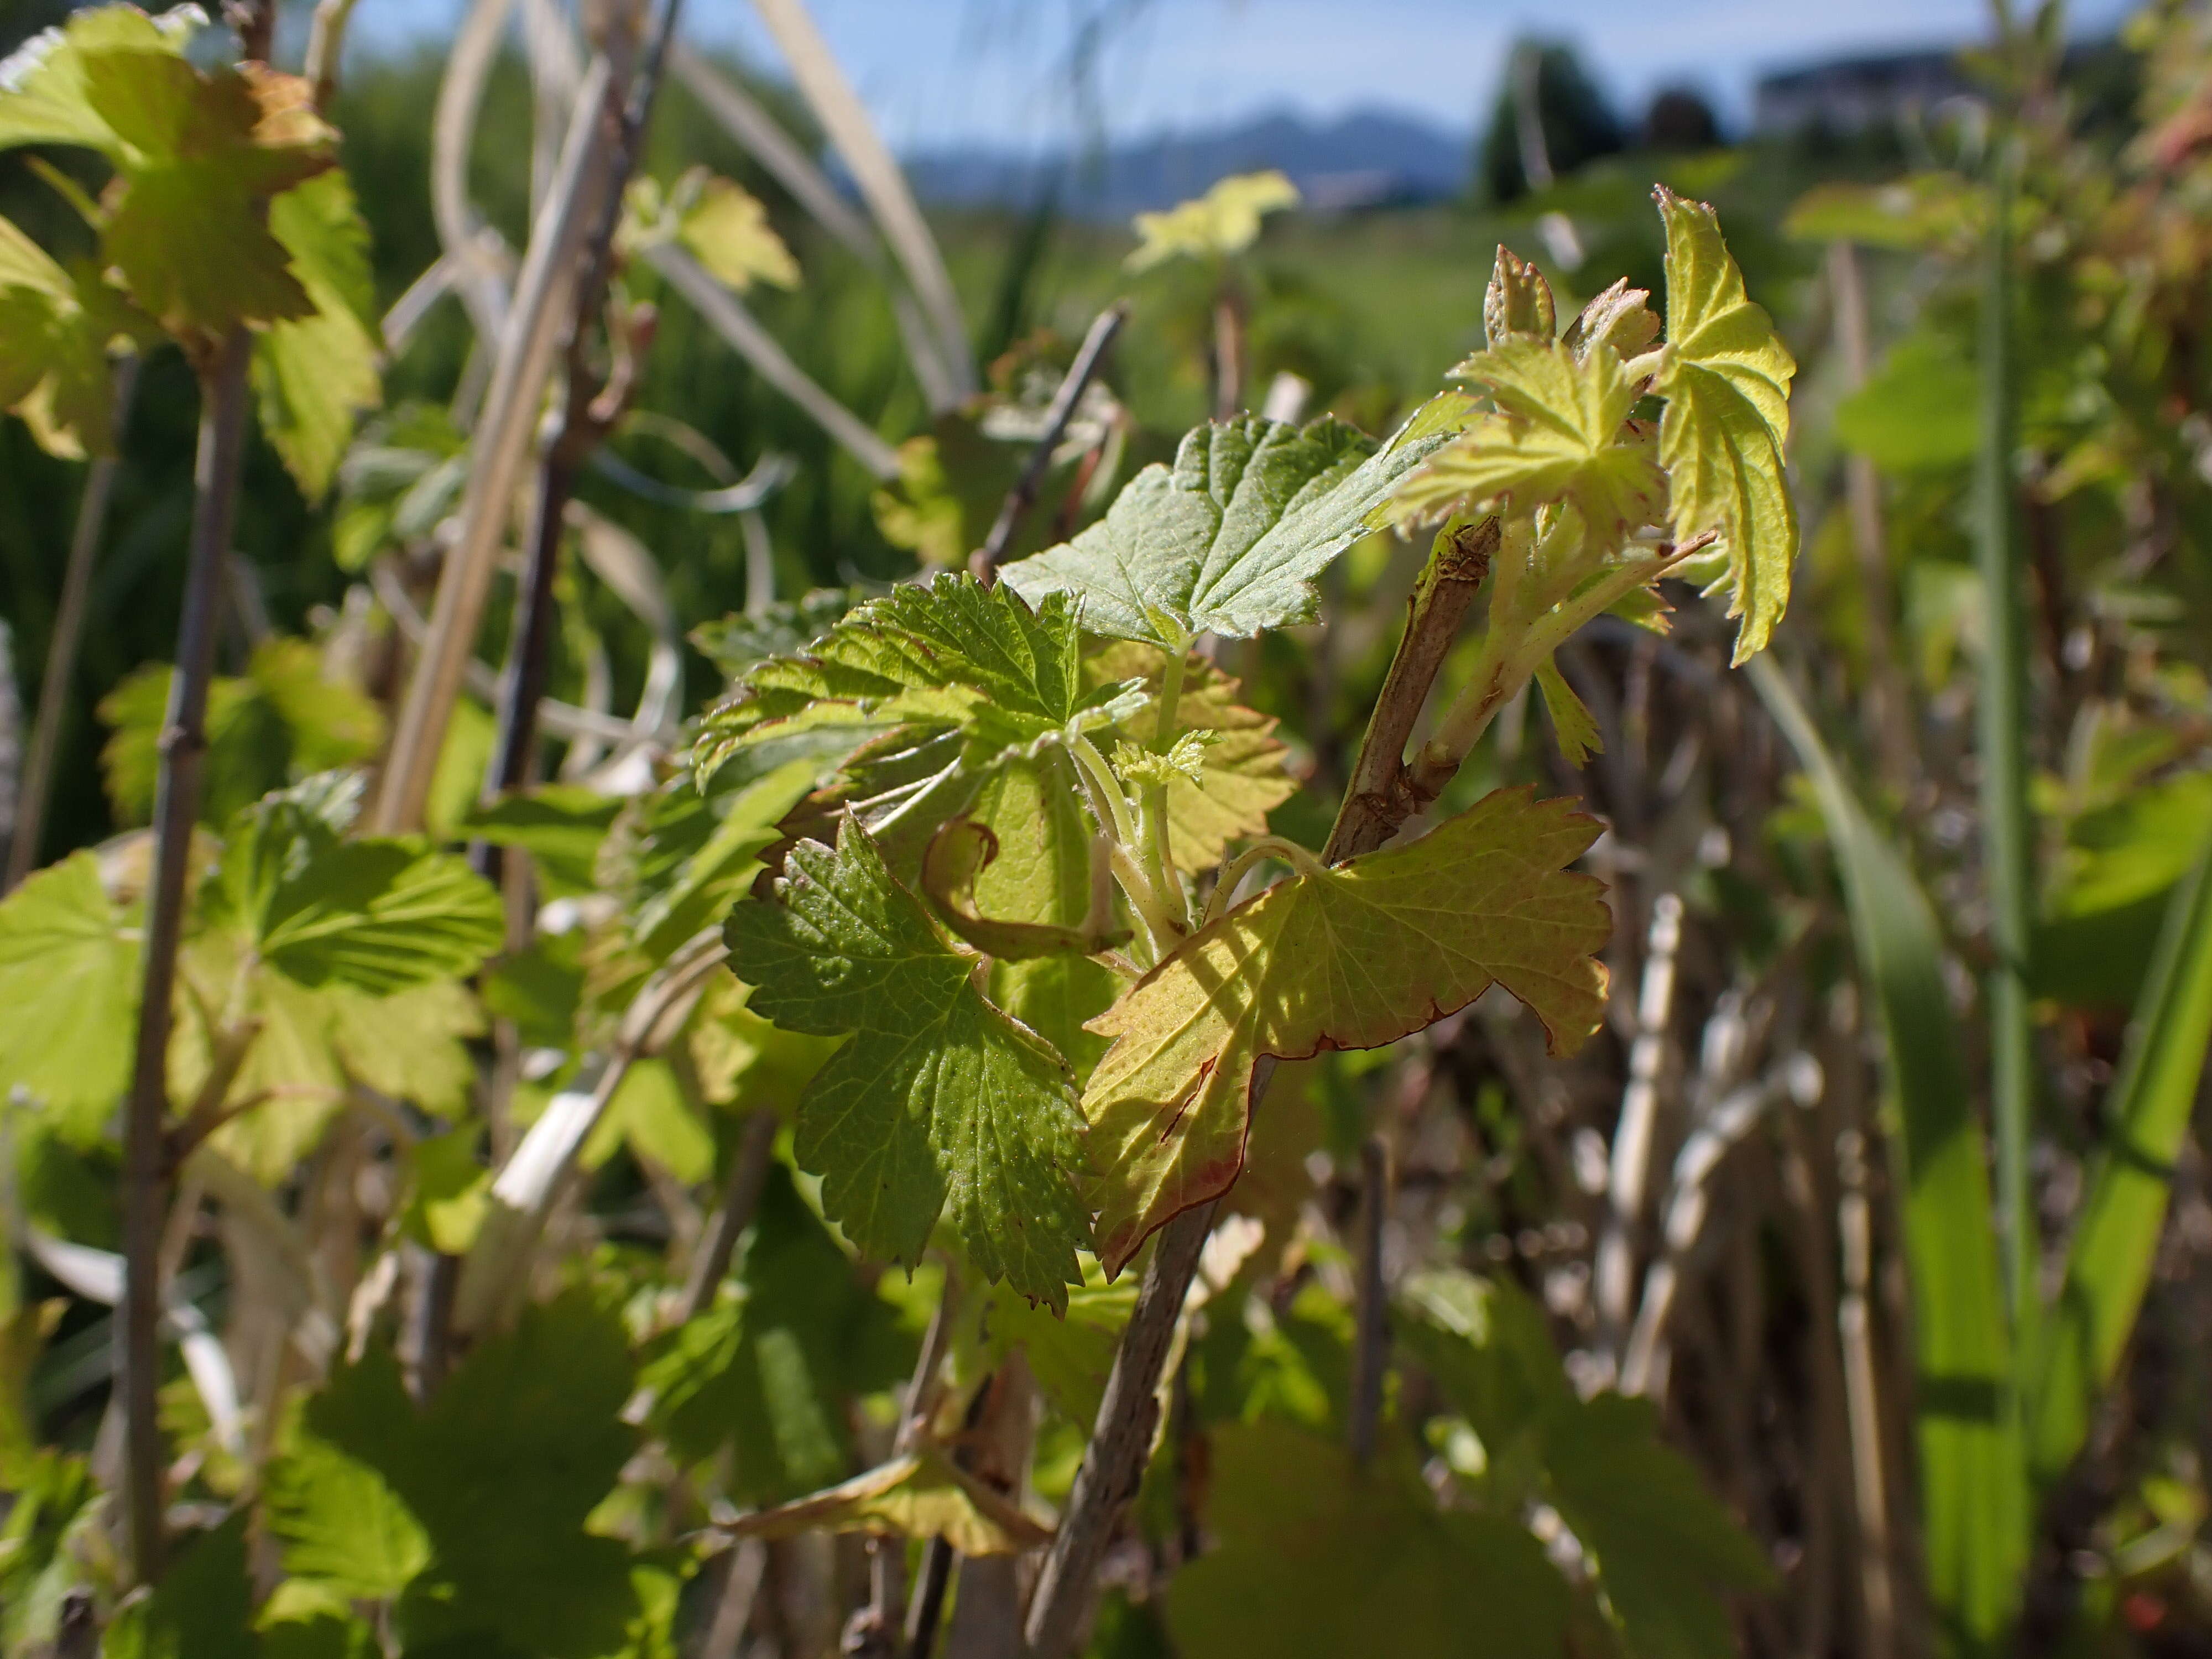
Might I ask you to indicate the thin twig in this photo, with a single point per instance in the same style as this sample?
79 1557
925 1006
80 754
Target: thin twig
1862 1397
1103 327
68 634
741 1198
176 808
1373 1339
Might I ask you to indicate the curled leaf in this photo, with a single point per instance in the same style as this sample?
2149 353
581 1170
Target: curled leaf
959 853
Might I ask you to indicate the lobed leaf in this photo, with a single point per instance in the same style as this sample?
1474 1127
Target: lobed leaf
1230 539
939 1101
1223 222
1559 431
1726 379
313 376
1353 959
68 996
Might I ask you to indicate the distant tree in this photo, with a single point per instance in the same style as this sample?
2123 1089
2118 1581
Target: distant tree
1681 119
1577 122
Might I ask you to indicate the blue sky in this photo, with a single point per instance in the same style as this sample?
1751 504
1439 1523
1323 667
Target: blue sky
950 72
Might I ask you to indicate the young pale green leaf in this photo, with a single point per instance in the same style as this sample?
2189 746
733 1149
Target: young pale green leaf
786 628
939 1101
1726 380
1353 959
68 996
958 856
727 230
560 826
1517 302
650 1114
1559 432
910 700
1318 1559
1230 539
1241 777
924 1494
1571 722
1224 221
1617 317
1042 876
314 376
499 1473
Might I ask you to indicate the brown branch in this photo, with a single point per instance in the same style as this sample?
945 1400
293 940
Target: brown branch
984 566
176 808
1380 796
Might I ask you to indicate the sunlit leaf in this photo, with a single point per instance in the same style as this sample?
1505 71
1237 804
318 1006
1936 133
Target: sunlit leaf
1726 380
68 996
1229 538
1223 222
1353 959
940 1102
1572 724
314 376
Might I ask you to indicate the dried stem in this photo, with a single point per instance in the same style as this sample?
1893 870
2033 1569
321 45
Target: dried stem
68 634
1633 1135
741 1198
1103 327
176 808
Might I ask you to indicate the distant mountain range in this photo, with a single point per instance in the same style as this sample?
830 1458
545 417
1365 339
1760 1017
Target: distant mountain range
1366 158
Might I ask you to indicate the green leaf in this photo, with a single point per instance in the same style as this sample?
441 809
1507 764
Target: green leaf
1664 1547
341 1527
1242 777
649 1112
379 916
1918 411
777 1368
68 996
314 376
560 826
48 98
1353 959
1571 721
1617 317
1230 539
785 629
449 1191
676 904
1923 210
1972 1471
523 1441
923 1494
57 326
1488 1348
939 1100
1071 1354
1726 380
202 1608
1226 220
1559 431
1317 1560
910 701
283 719
2108 1266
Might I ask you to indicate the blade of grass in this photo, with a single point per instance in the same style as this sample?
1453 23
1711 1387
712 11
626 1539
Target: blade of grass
2110 1263
1972 1474
2006 848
